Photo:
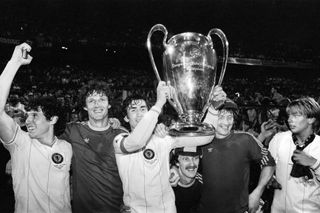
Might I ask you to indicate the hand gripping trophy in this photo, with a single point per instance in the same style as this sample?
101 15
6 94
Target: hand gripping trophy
190 67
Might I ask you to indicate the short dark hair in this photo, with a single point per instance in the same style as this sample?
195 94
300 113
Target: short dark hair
126 103
50 108
230 106
94 86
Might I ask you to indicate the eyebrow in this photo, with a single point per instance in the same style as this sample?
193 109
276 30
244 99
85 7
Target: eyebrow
135 107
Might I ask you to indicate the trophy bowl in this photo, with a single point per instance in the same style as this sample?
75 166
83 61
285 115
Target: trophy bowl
190 67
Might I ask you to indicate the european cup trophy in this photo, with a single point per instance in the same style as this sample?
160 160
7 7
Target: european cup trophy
190 66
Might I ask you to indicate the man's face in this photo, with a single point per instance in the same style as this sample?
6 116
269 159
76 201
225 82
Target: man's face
37 124
188 165
97 105
224 123
298 122
136 111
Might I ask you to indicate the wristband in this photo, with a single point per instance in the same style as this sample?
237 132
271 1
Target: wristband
213 111
156 109
122 148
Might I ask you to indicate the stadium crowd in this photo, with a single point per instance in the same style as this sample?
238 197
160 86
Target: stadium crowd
258 98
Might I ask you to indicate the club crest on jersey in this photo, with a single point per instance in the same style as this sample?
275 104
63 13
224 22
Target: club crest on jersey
57 158
148 154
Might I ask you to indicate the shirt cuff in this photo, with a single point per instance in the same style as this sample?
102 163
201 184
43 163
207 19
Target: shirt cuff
212 111
156 109
315 166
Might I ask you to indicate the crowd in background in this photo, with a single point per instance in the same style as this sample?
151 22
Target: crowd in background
259 99
65 82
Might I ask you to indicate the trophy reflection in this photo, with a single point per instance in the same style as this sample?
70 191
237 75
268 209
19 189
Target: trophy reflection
190 66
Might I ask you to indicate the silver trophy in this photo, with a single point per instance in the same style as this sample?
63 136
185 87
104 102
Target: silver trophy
190 66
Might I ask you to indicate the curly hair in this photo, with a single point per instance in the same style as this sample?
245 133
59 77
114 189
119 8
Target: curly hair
94 86
50 108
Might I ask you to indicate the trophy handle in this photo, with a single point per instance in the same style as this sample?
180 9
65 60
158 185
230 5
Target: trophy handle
157 27
225 44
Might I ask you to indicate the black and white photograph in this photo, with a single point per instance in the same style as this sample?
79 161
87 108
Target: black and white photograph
159 106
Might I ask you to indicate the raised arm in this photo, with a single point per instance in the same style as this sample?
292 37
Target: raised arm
144 129
7 124
212 115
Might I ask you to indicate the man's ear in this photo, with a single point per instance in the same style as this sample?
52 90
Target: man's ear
109 106
126 119
85 108
311 120
54 119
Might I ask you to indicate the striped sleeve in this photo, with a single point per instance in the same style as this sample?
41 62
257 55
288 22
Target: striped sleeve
265 157
199 177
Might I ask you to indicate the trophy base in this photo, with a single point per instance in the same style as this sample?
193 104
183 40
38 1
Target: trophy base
191 130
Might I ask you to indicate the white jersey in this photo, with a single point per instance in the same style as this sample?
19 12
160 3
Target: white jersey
40 174
297 194
145 177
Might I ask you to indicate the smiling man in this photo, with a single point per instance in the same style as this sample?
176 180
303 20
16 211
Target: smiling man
95 179
226 165
188 189
40 161
143 158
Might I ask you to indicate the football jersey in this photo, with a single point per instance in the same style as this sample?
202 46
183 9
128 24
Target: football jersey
145 177
95 179
297 194
188 197
40 174
226 172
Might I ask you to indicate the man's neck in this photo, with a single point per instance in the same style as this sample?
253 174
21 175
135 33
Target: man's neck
99 125
186 182
218 136
48 141
304 135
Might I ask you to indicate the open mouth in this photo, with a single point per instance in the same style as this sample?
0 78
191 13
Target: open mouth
191 169
291 126
30 128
